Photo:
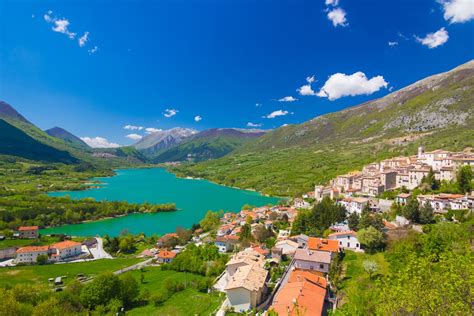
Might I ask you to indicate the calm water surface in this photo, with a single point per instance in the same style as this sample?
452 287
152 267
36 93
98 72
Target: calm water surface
193 198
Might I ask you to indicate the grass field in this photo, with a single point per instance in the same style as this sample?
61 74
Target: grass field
40 274
356 284
187 302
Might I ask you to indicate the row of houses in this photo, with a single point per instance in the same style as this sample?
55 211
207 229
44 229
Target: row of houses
393 173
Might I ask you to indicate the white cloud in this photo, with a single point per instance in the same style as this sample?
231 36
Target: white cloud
276 113
435 39
392 44
83 39
340 85
99 142
458 11
93 50
134 136
150 130
250 124
307 89
338 17
258 104
197 118
287 99
170 112
133 127
332 2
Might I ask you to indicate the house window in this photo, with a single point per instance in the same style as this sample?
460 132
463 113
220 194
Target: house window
321 266
348 244
357 245
311 267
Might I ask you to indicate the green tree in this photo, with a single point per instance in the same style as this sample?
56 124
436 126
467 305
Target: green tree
210 220
371 238
412 210
353 221
42 259
101 290
129 290
370 267
426 214
245 233
464 179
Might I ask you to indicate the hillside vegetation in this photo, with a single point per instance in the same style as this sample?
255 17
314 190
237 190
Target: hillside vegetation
437 112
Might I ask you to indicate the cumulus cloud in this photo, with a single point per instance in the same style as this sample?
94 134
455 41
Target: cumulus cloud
258 104
392 44
150 130
99 142
83 39
340 85
433 40
60 25
170 112
133 127
332 2
250 124
458 11
287 99
307 89
338 17
197 118
134 136
93 50
276 114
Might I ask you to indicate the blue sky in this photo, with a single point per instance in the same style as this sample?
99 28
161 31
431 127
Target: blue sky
217 59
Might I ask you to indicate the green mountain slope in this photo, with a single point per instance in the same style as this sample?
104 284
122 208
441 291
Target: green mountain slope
15 142
69 138
437 112
209 144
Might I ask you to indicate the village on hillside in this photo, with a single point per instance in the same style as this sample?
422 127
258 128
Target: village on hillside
278 261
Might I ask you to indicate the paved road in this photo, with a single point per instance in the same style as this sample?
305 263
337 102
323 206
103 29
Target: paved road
134 267
98 251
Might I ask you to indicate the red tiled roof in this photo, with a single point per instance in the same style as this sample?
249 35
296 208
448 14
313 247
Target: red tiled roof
347 232
66 244
28 228
32 249
165 254
323 244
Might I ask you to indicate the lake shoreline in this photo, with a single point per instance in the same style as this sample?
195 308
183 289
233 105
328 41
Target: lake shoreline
156 186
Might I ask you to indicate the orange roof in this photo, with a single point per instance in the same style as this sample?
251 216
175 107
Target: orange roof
302 275
300 298
32 249
323 244
260 250
26 228
65 244
165 254
347 232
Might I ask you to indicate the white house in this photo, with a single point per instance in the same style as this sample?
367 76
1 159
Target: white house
29 254
312 260
66 249
288 247
354 205
346 239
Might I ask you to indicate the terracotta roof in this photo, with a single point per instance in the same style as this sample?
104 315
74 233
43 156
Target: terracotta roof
301 275
304 297
260 250
323 244
33 249
347 232
404 195
65 244
28 228
313 255
165 254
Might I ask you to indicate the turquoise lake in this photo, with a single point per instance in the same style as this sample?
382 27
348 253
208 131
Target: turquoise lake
193 199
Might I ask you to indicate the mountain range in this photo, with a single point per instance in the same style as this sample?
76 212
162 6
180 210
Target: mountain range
437 112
